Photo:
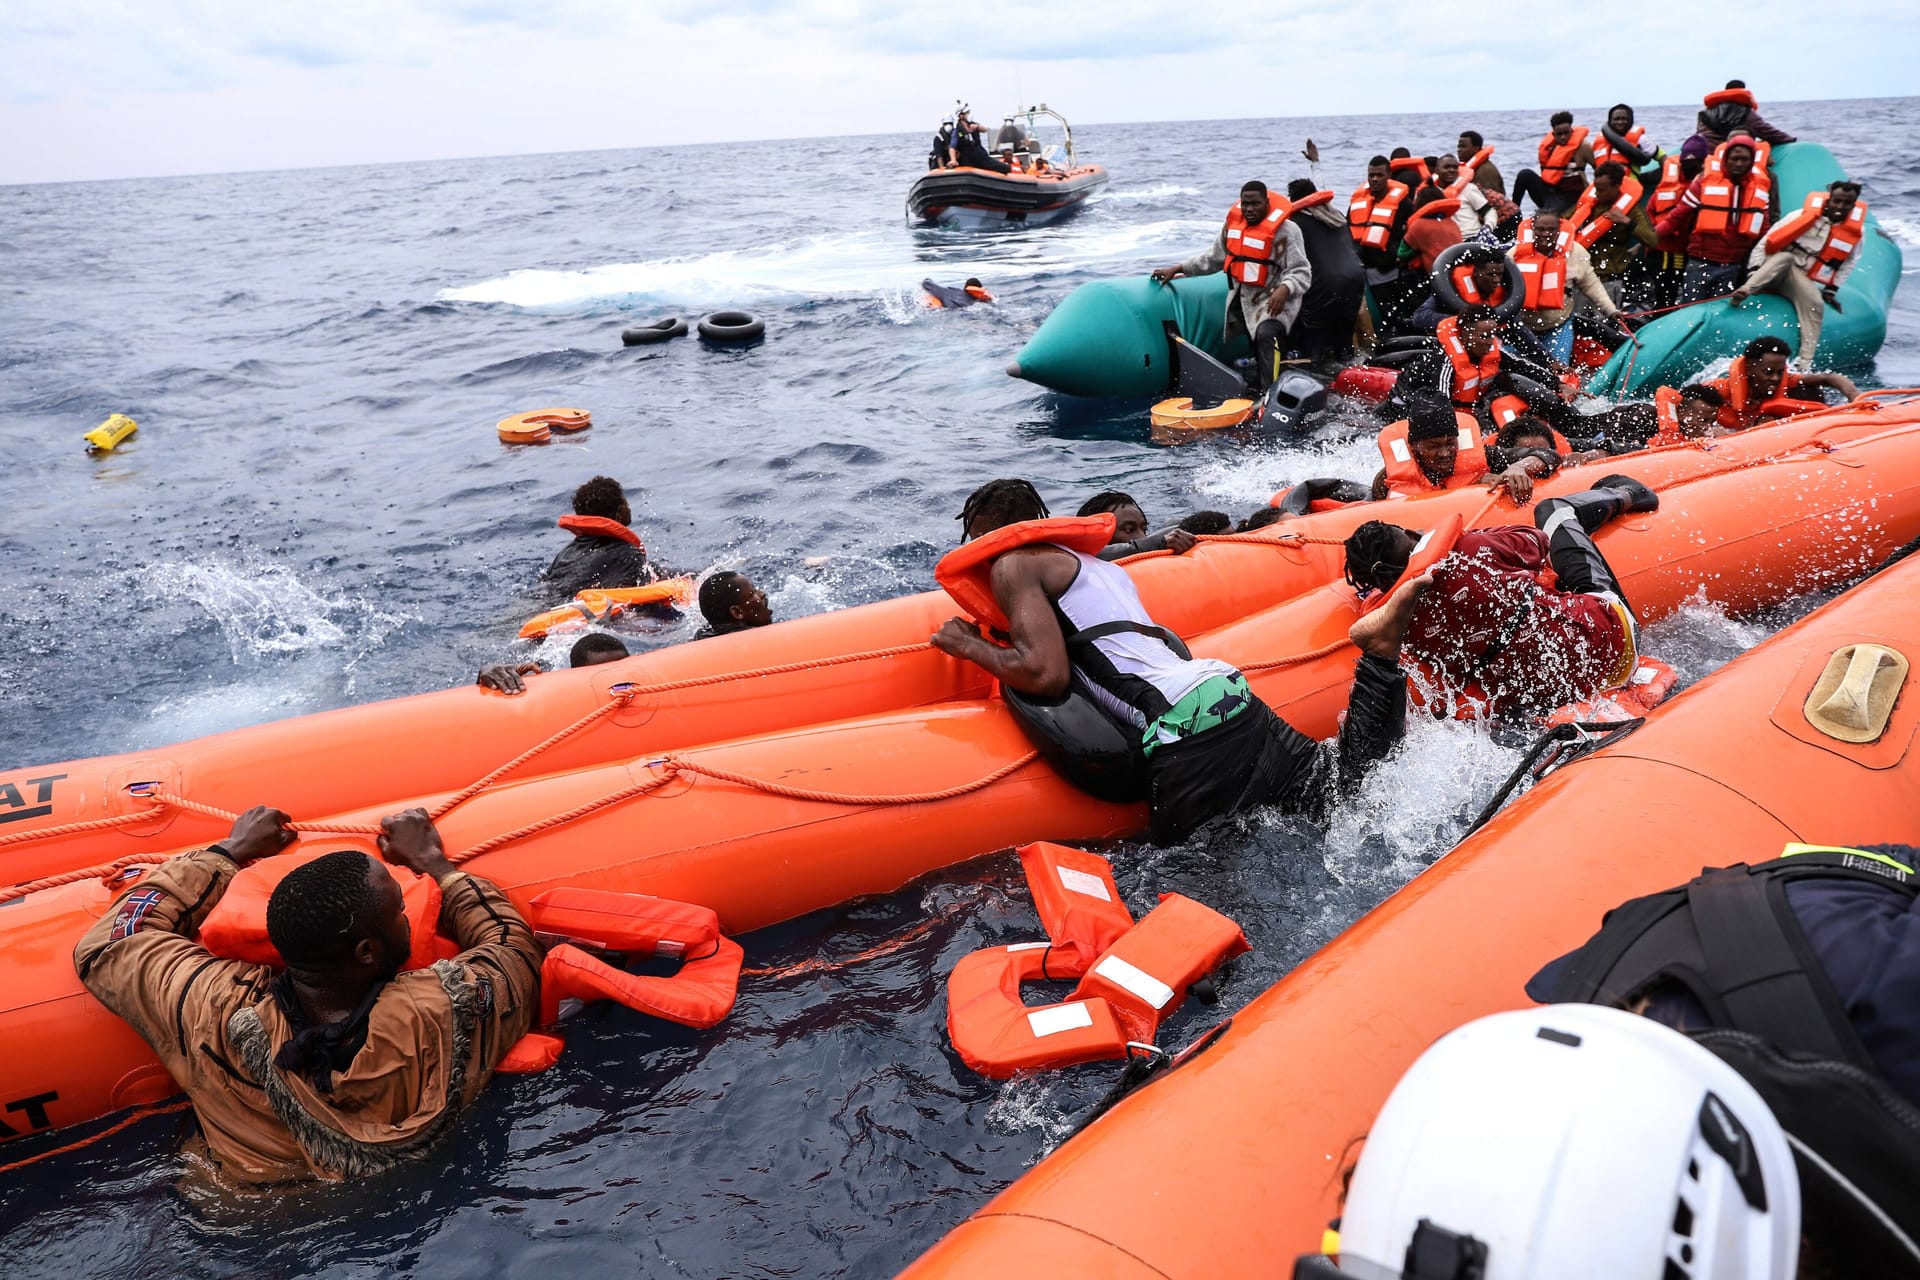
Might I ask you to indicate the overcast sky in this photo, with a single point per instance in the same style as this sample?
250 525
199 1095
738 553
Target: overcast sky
125 88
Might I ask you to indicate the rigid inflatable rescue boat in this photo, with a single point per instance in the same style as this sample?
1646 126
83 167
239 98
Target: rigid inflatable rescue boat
1041 186
1247 1139
765 826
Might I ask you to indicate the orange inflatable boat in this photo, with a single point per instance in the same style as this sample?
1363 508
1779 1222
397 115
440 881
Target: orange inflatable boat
1853 468
763 826
1244 1143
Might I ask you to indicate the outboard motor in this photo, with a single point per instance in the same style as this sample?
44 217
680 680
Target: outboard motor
1291 400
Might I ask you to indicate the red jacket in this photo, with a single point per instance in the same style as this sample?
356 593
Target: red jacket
1548 647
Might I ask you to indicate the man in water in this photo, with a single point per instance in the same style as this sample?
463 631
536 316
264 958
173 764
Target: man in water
340 1066
605 551
1265 258
1488 631
1130 536
1211 746
588 651
730 602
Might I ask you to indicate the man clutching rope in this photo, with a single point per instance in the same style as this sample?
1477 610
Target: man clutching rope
1077 631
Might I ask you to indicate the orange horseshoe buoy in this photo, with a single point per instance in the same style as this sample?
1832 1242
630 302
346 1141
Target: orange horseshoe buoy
1178 414
537 425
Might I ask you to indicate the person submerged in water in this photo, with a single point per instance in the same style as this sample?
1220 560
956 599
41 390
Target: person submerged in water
339 1066
730 602
605 552
1211 747
588 651
1489 631
1130 536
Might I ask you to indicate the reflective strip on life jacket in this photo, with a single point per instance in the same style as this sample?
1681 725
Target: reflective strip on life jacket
1666 411
1589 225
1250 245
1145 975
966 572
1556 161
1729 208
1545 277
1370 222
1404 476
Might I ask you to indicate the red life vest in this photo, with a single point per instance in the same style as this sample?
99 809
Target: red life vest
1469 379
1250 246
1441 210
1462 277
1603 150
1545 277
600 527
1370 221
1505 409
1590 224
1673 185
966 572
1843 237
1405 479
1557 162
1131 976
1468 169
1735 412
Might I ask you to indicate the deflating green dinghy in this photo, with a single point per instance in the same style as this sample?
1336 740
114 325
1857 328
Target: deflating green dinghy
1109 338
1674 348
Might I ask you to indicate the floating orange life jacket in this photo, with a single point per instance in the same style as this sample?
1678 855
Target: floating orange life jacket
1545 276
966 572
1468 169
1603 150
1843 237
1591 224
1735 411
1462 277
1370 221
1557 161
1250 246
1469 379
1404 476
1131 976
601 605
1673 185
1730 208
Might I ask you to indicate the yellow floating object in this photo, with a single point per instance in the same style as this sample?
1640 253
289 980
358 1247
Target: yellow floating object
597 605
111 434
537 425
1179 414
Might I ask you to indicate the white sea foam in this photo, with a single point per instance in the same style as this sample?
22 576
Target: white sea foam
268 610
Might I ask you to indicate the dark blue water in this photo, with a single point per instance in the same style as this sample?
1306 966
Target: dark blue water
316 512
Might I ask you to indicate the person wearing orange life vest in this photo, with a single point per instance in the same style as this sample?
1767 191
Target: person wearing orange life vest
1561 177
1489 629
1477 212
1721 217
1377 217
1759 381
1437 446
1556 267
1691 413
1485 173
1266 260
605 552
1638 152
1806 258
338 1066
1077 635
1732 110
1610 222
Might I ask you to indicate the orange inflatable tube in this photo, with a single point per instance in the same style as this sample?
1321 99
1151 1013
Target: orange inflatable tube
1245 1141
766 827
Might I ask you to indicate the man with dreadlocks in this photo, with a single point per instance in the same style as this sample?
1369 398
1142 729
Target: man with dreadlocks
338 1066
1076 628
1489 631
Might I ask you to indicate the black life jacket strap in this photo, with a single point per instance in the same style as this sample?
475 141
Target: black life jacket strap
1101 630
1759 965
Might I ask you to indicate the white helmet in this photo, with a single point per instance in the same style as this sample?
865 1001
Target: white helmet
1573 1141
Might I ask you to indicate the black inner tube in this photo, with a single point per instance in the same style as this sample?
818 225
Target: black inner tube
1633 155
658 331
1449 297
732 326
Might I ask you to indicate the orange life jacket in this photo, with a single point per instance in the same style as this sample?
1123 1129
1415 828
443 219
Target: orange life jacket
1591 224
1250 246
599 527
1435 545
1762 154
1132 976
1468 169
966 572
1603 150
1462 277
979 291
601 605
1557 161
1673 185
1469 379
236 928
1370 221
1735 412
1404 476
1411 165
1545 276
1721 97
1504 409
1843 237
1441 210
1666 410
1312 201
1727 208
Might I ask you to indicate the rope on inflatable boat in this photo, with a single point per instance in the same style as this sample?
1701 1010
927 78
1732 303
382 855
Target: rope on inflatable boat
143 1113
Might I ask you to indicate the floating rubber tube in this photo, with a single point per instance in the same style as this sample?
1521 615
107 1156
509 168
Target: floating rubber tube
732 326
659 331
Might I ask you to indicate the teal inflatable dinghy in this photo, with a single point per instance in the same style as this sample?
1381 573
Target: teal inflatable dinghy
1113 337
1673 349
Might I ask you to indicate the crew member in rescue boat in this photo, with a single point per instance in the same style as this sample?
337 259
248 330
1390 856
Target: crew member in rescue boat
1806 258
1211 746
339 1066
1488 631
1265 258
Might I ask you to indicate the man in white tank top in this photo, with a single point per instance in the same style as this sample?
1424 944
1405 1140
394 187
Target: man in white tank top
1212 747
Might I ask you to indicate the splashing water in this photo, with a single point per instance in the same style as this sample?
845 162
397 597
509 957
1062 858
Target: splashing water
269 611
